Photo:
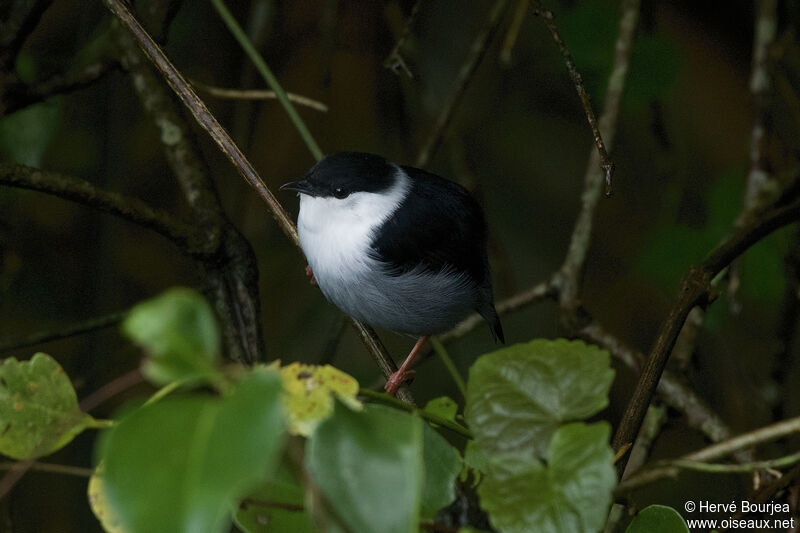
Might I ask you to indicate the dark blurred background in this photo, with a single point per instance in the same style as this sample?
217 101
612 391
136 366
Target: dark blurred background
519 139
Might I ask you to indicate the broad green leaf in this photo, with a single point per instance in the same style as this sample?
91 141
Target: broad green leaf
518 396
441 464
572 492
179 332
369 467
97 501
276 507
657 519
26 134
443 406
474 459
308 394
38 408
180 464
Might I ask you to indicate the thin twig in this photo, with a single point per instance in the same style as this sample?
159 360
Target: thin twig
522 299
716 451
294 507
513 32
72 80
85 193
114 387
200 112
695 290
759 186
464 76
269 77
51 468
384 398
258 94
394 60
569 276
728 468
230 279
71 330
672 389
547 16
441 351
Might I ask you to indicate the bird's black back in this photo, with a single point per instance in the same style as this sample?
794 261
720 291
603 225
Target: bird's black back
439 225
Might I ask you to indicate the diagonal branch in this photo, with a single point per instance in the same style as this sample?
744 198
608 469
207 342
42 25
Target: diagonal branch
605 162
695 290
464 76
83 192
208 122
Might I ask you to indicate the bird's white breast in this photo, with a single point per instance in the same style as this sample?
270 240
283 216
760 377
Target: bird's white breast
335 234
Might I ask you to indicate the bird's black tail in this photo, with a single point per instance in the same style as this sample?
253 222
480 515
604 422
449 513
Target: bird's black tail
490 315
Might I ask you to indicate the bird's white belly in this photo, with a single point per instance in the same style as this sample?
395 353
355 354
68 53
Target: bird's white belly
417 302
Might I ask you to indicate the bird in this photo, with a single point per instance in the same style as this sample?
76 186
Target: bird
395 247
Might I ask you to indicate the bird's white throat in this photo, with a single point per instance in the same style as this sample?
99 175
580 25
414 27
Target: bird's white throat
335 234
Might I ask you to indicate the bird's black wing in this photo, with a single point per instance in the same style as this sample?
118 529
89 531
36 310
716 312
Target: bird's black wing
438 225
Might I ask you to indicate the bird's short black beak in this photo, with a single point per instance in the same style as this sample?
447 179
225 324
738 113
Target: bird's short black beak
302 186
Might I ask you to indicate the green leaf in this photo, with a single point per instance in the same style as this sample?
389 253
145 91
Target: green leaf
657 519
369 466
97 501
179 332
308 393
518 396
38 408
26 134
442 464
443 406
277 506
572 492
180 464
476 460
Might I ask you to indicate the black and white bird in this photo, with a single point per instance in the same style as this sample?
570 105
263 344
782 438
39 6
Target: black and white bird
395 246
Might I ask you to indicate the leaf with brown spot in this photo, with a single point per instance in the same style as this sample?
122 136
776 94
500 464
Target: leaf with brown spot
38 408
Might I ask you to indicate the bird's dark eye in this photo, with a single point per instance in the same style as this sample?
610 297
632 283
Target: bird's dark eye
340 193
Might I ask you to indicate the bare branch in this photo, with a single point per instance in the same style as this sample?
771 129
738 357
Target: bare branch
18 95
547 15
695 290
464 76
200 112
231 274
258 94
694 460
520 300
394 60
85 193
568 278
71 330
513 32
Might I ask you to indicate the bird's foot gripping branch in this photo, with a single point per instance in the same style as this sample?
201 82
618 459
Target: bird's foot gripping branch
296 448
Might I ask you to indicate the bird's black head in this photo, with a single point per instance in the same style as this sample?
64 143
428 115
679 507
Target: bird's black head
340 175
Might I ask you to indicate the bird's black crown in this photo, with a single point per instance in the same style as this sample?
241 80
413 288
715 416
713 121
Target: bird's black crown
342 174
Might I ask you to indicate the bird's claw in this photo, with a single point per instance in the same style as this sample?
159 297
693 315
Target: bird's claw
310 272
397 379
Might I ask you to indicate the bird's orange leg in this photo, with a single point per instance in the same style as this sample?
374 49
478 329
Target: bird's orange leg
310 272
403 373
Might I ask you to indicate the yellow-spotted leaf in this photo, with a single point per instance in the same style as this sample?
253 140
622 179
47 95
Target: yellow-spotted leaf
309 392
38 408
